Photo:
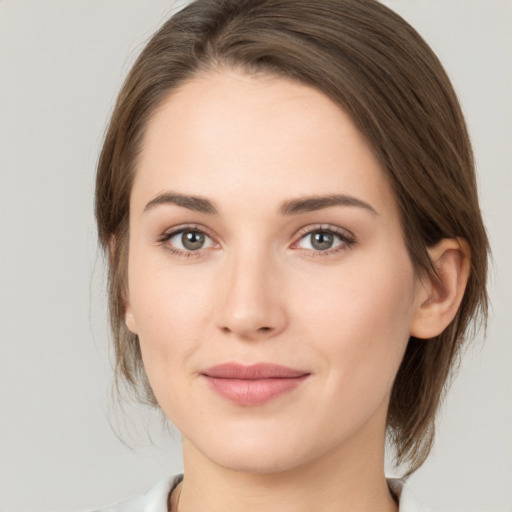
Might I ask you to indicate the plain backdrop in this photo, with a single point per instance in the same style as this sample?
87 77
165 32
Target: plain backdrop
61 65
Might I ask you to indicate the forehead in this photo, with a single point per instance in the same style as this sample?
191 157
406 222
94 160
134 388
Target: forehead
229 135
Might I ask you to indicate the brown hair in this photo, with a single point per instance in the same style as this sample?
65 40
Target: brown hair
378 69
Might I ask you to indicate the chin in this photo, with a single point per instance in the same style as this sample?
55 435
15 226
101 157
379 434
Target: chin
258 460
258 451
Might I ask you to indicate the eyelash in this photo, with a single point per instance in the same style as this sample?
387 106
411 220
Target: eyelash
178 252
348 240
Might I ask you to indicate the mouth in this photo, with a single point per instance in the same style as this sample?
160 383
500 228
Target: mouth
255 384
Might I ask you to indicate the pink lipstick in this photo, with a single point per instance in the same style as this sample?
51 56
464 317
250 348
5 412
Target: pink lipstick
255 384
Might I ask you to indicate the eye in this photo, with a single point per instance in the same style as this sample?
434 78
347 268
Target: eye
188 240
324 240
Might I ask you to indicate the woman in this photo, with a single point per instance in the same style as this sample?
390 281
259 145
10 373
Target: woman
287 198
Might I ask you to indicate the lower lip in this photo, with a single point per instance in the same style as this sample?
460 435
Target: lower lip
253 392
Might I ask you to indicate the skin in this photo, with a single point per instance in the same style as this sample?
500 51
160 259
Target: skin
259 291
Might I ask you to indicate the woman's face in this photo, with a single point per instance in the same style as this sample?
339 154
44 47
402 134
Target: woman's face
263 232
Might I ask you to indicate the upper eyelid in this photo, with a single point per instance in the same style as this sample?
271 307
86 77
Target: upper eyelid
302 231
187 227
325 227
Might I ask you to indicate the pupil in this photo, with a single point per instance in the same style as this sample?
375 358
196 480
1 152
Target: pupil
322 241
192 240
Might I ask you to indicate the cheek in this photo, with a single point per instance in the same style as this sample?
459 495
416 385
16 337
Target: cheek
163 307
361 319
171 309
170 305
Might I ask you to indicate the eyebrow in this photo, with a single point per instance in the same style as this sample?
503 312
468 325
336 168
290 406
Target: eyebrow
197 204
313 203
289 207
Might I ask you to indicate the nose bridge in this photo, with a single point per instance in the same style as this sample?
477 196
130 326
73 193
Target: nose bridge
252 305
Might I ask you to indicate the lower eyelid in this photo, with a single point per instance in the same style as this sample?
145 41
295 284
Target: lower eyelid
328 252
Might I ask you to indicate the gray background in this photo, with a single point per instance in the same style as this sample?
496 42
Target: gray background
61 64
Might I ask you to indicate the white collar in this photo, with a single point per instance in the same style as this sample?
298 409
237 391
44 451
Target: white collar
155 500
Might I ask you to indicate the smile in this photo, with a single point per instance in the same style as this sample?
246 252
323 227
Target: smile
253 385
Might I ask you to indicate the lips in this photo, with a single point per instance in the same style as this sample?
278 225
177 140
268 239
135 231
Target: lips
255 384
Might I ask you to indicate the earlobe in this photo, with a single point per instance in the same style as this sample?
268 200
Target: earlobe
129 319
440 297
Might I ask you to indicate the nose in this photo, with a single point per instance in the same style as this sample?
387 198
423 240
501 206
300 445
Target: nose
252 302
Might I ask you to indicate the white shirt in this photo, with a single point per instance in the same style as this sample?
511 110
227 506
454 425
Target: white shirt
155 500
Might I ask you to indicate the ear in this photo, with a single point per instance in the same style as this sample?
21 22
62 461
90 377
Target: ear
438 299
129 319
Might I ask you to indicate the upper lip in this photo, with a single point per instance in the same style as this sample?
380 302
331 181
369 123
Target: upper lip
253 371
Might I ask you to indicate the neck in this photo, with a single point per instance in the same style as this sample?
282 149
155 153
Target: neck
347 478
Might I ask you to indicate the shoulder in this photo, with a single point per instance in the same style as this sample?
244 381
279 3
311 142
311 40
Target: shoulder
155 500
407 500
